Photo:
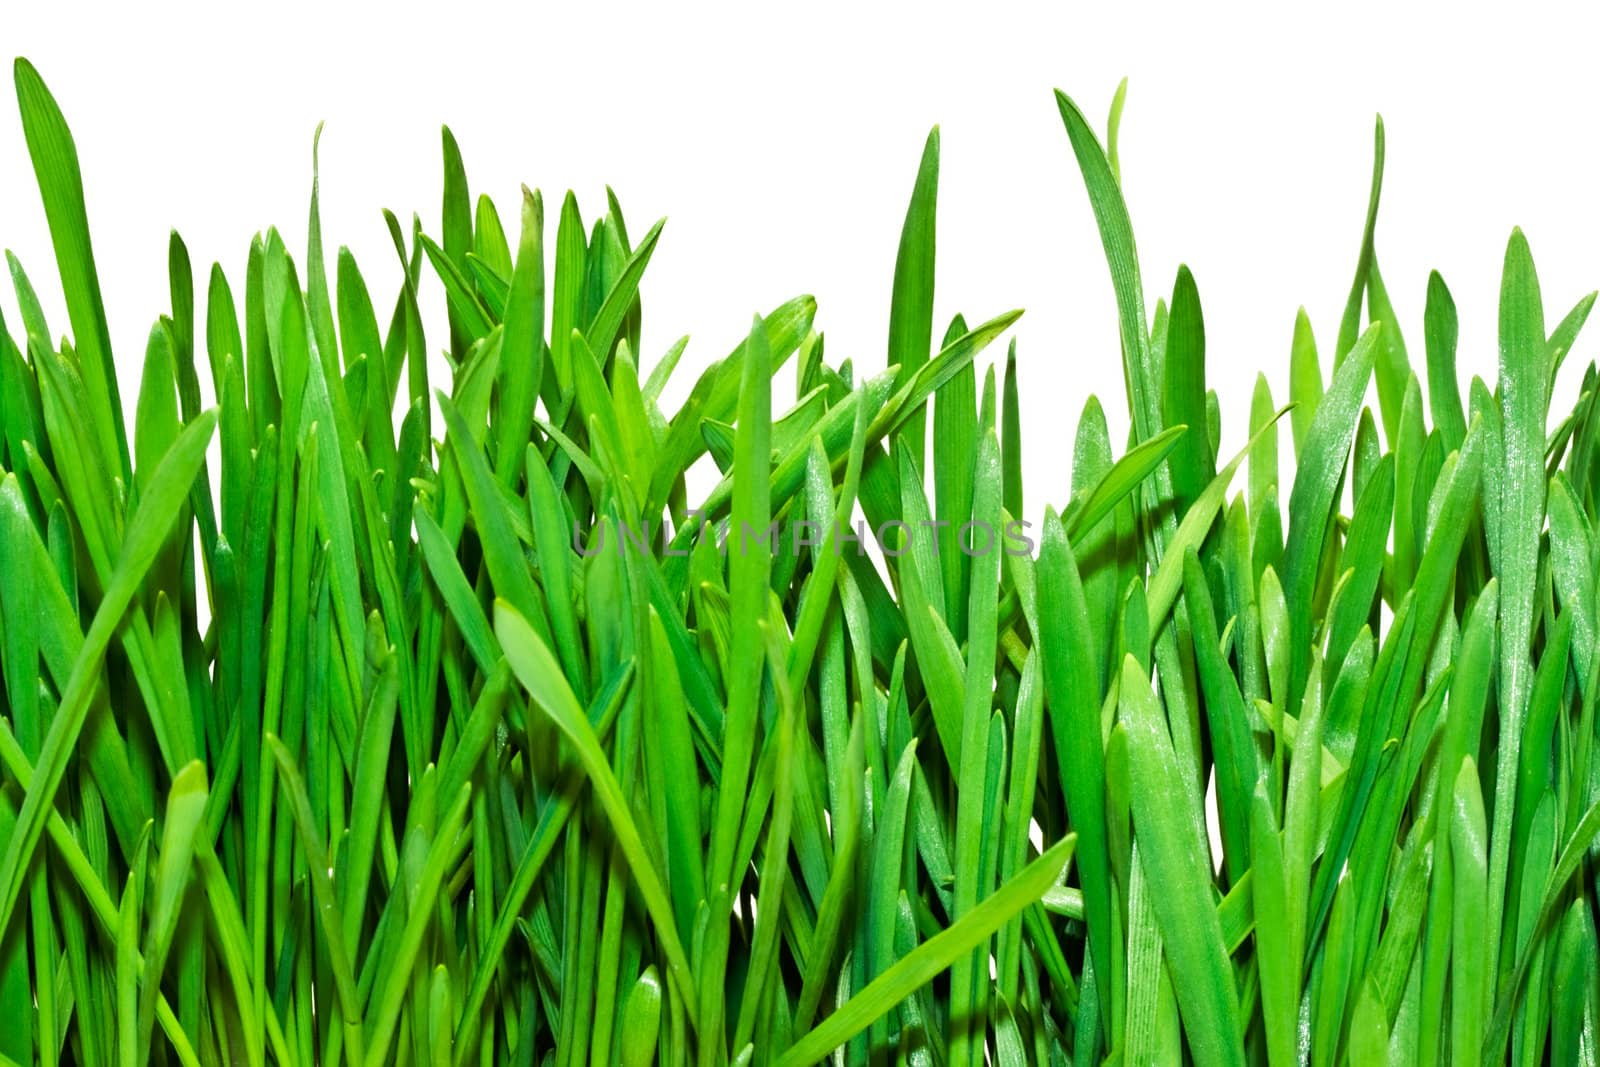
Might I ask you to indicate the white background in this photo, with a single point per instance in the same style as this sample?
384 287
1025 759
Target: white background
782 145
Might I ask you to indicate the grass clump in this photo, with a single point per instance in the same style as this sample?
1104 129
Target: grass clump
415 739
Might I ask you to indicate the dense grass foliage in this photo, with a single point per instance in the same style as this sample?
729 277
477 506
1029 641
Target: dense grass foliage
354 715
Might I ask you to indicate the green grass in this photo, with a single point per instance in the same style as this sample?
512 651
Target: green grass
322 738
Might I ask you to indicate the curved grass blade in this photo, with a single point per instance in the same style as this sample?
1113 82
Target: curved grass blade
55 164
540 674
928 959
911 305
147 533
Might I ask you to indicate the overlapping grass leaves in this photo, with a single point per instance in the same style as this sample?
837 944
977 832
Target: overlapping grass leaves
441 724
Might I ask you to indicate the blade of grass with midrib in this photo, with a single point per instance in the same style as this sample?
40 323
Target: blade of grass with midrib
1167 578
1094 502
1471 976
521 370
1067 659
955 449
773 877
456 223
1524 374
1350 321
1028 717
608 320
974 803
55 164
1393 368
1320 471
1305 378
1183 397
1440 330
1172 830
1116 232
749 569
1235 760
885 872
911 305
